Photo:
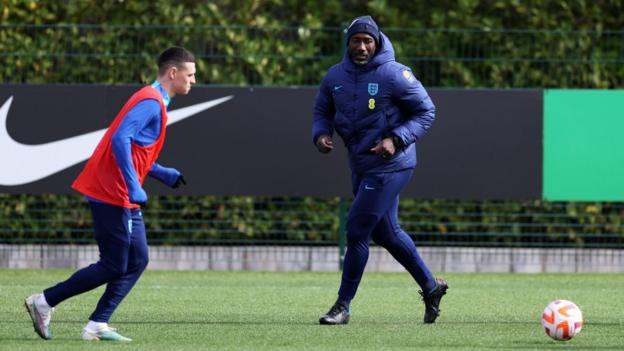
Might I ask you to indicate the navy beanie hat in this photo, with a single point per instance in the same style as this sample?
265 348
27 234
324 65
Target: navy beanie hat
363 24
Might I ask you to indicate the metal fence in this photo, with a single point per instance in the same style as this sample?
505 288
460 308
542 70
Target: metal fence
305 233
248 232
66 219
240 55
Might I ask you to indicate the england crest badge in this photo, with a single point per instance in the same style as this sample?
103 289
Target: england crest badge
373 88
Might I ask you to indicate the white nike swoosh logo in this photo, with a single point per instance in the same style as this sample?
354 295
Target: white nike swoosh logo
22 164
369 187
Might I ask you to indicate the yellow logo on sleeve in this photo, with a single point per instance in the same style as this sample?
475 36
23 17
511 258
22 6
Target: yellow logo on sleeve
408 75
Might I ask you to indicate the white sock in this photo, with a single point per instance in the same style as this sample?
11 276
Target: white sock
42 304
96 326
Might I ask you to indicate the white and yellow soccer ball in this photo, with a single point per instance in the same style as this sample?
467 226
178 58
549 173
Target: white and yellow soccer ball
562 320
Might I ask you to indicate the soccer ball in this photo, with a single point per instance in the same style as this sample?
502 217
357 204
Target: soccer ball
562 320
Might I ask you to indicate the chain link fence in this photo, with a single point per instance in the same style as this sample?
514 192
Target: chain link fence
308 233
240 55
305 233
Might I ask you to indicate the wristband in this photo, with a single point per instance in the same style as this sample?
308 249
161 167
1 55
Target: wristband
398 143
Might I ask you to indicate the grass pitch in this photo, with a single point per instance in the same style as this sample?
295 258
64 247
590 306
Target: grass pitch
280 311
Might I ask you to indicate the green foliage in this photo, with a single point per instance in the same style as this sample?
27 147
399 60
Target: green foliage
54 218
466 43
469 43
513 223
58 218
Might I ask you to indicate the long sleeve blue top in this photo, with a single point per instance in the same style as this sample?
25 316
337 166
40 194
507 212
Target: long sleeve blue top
141 126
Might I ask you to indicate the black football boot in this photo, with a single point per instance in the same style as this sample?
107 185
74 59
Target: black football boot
432 300
338 314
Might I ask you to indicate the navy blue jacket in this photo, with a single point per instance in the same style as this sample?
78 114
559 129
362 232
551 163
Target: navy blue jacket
365 104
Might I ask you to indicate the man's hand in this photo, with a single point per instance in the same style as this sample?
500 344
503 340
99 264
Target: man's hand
179 181
385 148
138 196
171 177
324 144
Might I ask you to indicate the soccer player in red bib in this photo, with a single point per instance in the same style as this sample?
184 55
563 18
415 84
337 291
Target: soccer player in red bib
112 183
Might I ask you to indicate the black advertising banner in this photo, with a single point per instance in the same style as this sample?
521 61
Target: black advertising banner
485 144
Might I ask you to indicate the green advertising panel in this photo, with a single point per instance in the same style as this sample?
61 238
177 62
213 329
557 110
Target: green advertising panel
584 145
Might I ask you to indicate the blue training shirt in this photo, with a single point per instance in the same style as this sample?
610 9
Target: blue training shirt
141 125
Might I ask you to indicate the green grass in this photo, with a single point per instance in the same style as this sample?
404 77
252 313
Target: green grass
279 311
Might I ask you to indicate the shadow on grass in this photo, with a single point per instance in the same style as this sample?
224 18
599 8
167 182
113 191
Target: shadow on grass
561 345
163 322
363 321
38 340
523 323
547 346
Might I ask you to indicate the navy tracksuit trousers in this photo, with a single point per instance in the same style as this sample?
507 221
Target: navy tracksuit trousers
121 239
374 215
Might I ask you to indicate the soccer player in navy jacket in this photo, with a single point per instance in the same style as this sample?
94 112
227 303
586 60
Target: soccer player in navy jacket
380 110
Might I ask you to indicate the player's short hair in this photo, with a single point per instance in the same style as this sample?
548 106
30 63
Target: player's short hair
173 56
